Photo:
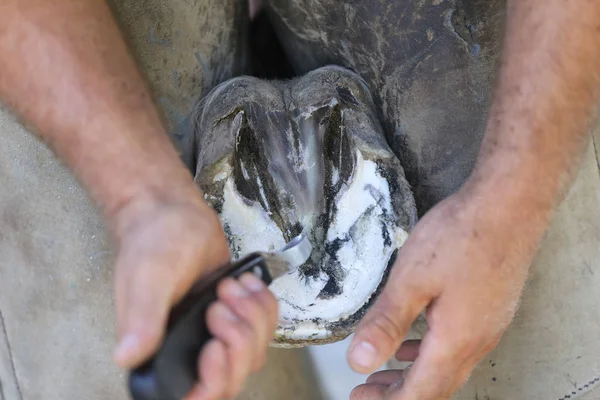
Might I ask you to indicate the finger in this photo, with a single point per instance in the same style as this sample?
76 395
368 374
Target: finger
385 325
142 306
386 378
153 273
245 303
408 351
437 373
239 338
213 369
265 323
368 392
146 287
262 293
262 304
242 300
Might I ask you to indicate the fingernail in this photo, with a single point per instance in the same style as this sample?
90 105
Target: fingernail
235 288
127 347
224 312
252 283
364 355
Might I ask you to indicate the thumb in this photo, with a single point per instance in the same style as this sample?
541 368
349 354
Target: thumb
160 258
151 275
144 293
384 327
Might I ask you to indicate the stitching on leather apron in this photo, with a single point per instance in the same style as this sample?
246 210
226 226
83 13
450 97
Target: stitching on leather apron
581 389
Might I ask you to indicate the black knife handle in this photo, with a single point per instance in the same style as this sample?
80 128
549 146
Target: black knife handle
173 371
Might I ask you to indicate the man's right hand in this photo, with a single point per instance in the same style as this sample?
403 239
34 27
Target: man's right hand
163 249
66 71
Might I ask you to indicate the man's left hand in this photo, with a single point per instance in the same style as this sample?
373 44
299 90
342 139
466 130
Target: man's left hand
465 263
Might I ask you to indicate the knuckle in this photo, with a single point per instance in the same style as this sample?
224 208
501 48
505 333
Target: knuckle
252 312
265 299
233 331
247 307
241 338
386 328
215 323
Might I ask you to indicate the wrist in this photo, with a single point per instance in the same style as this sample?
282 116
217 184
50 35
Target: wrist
512 190
162 184
135 171
151 201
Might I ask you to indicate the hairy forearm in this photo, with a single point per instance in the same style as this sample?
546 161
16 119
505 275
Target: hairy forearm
544 106
65 69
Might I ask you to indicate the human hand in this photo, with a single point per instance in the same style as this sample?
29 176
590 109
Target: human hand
163 249
465 263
